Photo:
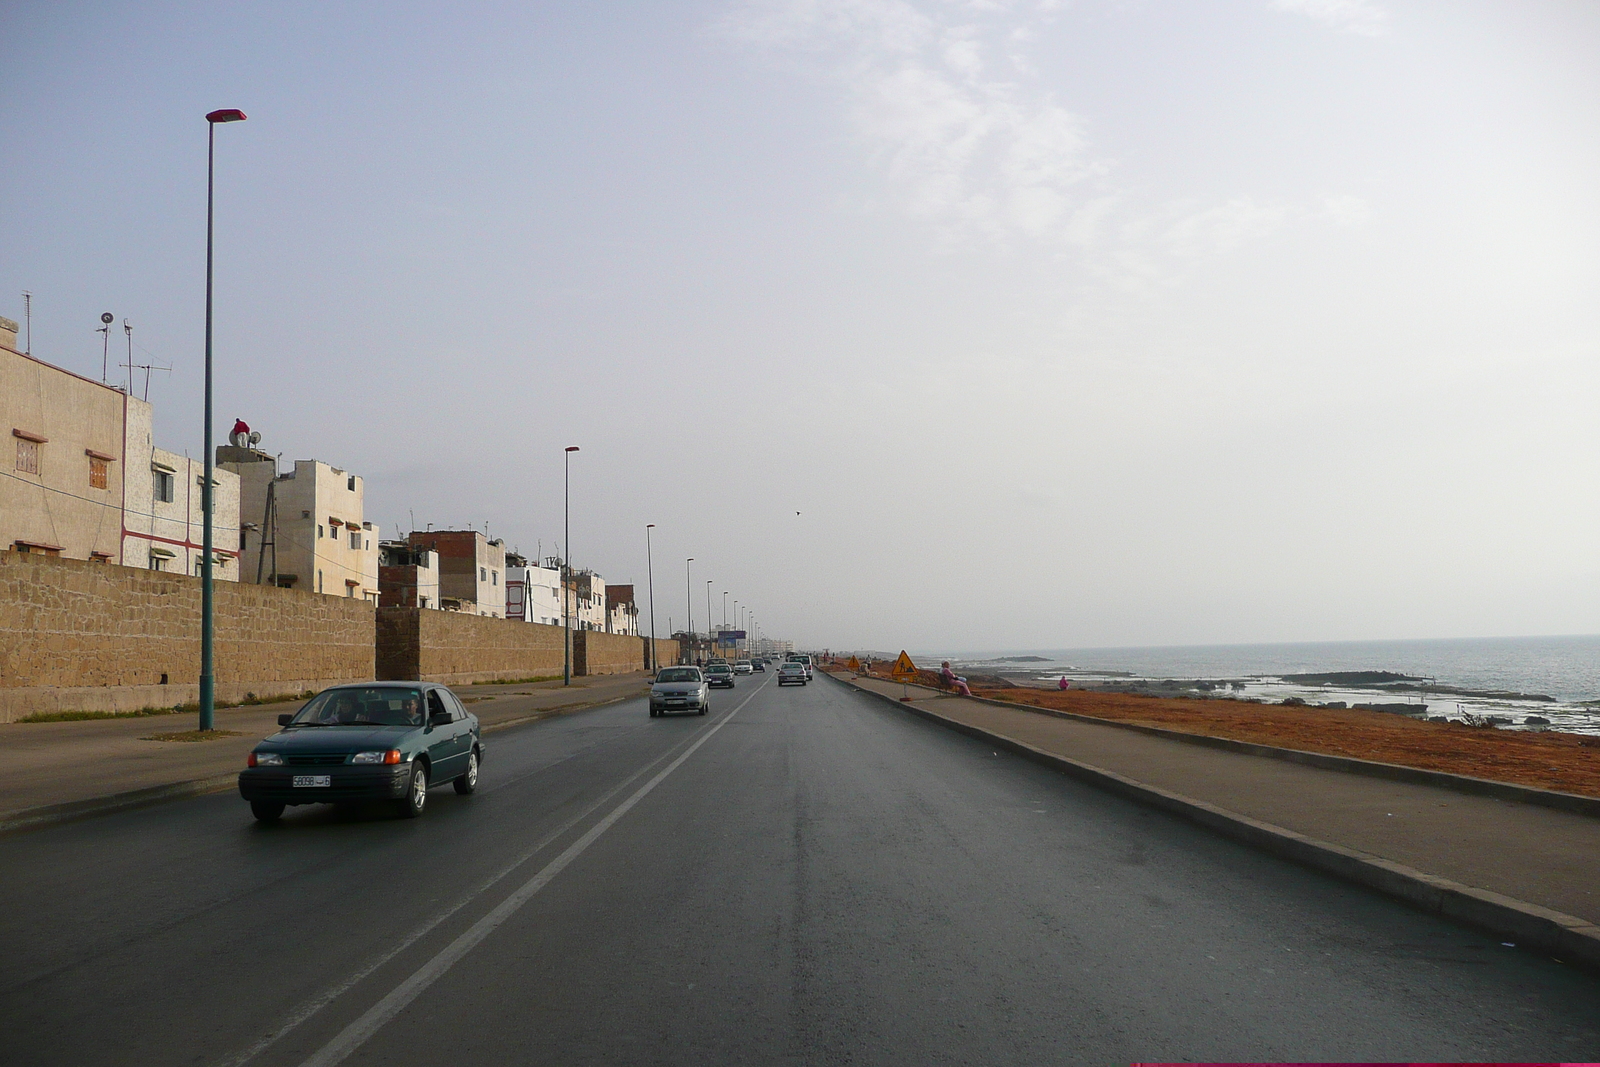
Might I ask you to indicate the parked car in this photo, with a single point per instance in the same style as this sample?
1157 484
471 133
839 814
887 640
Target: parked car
792 671
719 674
679 689
391 741
744 666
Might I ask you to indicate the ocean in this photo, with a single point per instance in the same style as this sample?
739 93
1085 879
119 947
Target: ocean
1566 669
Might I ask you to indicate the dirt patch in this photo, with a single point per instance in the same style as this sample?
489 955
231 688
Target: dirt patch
1567 763
193 735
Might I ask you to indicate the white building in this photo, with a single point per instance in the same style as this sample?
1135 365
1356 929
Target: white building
532 592
309 527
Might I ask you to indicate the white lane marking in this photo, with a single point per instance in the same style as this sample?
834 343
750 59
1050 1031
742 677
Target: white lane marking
359 1032
309 1008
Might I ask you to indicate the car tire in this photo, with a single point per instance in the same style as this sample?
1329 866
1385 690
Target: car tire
266 810
467 784
416 798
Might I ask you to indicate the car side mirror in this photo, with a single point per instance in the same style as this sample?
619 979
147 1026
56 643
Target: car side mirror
439 718
286 718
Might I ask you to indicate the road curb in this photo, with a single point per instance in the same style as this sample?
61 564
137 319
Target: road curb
51 814
34 818
1393 772
1566 937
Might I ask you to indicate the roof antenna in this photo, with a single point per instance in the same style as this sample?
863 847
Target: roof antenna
27 317
106 319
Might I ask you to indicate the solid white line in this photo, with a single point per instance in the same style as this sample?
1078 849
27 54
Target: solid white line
359 1032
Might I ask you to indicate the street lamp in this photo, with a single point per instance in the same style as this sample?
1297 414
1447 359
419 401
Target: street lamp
688 597
208 680
566 604
650 571
709 646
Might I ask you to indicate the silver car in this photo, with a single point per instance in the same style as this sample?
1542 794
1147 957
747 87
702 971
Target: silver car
792 672
679 689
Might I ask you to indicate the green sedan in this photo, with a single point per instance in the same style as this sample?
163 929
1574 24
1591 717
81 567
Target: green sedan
388 741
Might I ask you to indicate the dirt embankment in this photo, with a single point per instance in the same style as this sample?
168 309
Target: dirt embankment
1568 763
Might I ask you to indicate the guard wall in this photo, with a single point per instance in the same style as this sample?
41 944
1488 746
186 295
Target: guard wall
460 648
81 636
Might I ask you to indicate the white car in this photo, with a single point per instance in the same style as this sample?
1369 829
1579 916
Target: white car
679 689
792 671
744 666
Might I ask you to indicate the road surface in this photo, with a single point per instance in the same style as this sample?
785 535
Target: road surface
805 876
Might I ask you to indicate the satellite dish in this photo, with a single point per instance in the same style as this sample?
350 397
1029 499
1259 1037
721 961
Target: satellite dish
107 318
255 437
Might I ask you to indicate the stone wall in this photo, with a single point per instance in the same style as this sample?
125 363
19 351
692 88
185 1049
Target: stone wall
457 648
595 652
79 636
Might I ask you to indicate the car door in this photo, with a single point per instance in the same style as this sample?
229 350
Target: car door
442 733
462 725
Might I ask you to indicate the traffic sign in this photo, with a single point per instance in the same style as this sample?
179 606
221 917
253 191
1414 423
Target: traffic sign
854 665
903 667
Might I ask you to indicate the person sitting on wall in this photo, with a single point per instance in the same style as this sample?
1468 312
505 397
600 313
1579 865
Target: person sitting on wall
952 680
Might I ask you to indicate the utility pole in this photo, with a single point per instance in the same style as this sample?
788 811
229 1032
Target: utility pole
650 572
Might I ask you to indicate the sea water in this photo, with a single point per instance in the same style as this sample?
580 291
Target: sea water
1564 668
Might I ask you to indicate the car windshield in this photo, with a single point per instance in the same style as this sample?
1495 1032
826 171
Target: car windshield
678 674
717 668
386 705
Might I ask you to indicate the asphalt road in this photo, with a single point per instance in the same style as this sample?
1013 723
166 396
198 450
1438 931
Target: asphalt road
806 876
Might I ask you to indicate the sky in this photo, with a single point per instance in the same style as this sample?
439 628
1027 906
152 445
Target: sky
967 324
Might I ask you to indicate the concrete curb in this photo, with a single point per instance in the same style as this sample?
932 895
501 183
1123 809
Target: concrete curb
51 814
1566 937
45 815
1394 772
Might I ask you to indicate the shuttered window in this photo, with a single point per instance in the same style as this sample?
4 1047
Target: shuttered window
27 456
97 473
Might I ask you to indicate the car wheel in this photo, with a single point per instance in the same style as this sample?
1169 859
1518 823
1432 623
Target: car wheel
417 794
467 784
266 810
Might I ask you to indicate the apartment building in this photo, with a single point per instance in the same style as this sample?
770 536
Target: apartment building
472 570
408 577
622 615
83 477
586 599
305 528
532 591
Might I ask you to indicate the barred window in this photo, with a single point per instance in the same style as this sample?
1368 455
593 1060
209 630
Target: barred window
27 456
97 473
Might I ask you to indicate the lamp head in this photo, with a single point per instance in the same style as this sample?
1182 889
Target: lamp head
227 114
572 448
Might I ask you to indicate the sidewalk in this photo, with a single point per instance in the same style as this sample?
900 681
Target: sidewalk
1416 841
55 770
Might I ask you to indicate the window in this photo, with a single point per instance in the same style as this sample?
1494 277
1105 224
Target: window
319 581
355 541
483 574
494 577
351 483
27 456
164 485
319 529
200 566
157 563
97 472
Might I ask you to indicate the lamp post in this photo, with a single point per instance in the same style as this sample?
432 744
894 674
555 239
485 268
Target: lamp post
709 646
688 598
736 626
650 571
566 604
208 680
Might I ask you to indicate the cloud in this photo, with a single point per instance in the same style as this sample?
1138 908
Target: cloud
1348 16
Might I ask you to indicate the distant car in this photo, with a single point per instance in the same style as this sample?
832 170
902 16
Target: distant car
679 689
792 671
719 674
744 666
759 665
389 741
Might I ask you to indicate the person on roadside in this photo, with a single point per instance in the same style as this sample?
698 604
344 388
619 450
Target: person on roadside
952 680
1063 684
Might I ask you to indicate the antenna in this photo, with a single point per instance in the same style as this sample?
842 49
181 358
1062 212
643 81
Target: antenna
27 317
106 319
128 329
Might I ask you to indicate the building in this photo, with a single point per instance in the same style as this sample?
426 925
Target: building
306 528
622 615
471 570
532 591
586 600
83 477
408 577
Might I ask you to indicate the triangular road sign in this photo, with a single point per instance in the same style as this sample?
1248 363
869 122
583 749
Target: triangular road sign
903 667
854 664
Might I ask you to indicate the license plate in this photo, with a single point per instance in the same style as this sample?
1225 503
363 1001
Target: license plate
313 781
677 703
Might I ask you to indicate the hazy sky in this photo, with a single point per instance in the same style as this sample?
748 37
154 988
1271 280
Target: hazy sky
1058 323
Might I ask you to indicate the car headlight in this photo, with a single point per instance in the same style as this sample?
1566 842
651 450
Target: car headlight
265 759
391 756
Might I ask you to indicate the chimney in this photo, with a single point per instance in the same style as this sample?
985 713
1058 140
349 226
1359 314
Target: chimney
8 334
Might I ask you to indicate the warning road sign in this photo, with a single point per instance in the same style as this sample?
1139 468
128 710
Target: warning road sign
903 667
854 664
